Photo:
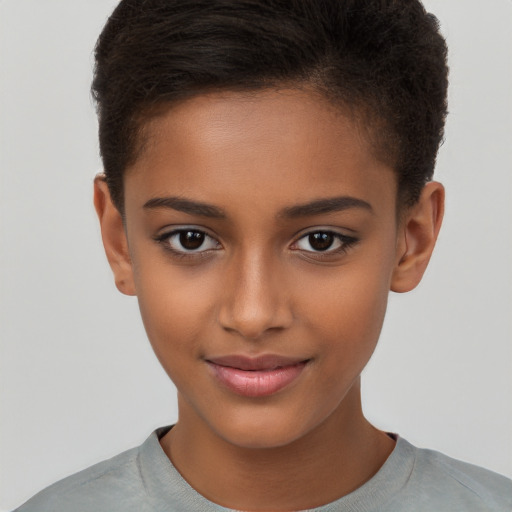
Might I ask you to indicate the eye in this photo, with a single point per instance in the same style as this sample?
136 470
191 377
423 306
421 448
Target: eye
324 242
188 241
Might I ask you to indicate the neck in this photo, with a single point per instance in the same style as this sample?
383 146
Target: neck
327 463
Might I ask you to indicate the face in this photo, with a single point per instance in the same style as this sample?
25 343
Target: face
263 240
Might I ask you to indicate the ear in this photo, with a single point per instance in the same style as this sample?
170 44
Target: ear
417 237
114 237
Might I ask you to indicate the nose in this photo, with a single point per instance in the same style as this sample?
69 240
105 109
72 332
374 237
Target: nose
256 298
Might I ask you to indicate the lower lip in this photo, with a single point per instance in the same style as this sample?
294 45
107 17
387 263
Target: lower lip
257 383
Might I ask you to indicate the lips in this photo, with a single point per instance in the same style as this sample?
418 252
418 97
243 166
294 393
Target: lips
256 377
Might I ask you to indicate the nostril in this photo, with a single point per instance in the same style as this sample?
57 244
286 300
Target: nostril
255 299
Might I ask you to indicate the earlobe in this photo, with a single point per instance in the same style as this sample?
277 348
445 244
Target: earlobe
114 237
417 237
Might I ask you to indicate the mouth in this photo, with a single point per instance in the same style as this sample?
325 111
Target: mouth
256 377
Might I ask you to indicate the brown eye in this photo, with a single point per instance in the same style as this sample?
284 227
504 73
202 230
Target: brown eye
328 242
188 241
321 241
191 240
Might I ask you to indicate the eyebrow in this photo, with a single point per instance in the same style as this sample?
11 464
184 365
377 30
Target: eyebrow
327 205
187 206
316 207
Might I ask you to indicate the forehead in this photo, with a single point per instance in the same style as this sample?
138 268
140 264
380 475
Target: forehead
279 147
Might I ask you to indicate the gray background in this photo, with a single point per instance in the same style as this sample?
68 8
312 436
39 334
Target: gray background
79 382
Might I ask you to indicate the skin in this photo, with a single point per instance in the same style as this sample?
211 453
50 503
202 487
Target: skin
259 287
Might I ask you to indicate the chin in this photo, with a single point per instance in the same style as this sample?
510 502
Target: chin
261 432
259 440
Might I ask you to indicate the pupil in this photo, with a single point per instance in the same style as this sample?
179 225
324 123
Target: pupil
191 239
321 241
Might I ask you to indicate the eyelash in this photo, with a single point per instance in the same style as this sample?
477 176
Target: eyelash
164 239
346 242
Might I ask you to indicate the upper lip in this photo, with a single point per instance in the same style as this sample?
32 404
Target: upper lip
264 362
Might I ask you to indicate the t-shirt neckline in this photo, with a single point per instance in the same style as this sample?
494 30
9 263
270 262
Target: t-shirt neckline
168 490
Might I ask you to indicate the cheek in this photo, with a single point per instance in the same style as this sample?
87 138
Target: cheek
347 311
347 333
175 309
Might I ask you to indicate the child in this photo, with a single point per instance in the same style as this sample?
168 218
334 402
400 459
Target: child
267 181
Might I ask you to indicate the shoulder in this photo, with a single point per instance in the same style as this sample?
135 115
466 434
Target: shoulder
437 478
114 484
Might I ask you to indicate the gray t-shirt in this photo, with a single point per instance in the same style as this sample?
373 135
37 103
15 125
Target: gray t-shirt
143 479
